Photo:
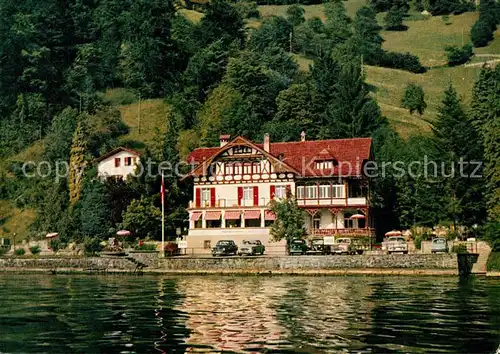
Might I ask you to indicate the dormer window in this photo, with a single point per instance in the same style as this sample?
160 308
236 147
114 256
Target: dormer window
325 164
238 150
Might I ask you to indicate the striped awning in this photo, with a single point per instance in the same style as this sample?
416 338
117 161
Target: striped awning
252 214
269 215
212 215
195 216
232 215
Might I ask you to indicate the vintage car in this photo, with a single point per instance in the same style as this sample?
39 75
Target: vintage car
346 245
439 244
225 248
397 244
297 246
251 248
317 246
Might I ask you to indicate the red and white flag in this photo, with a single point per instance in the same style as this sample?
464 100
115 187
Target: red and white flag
162 190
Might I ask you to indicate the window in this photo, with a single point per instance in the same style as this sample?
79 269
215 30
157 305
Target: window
300 192
316 222
229 170
323 165
256 167
237 169
348 223
247 193
247 168
242 150
117 162
312 192
338 191
280 191
128 161
205 196
325 191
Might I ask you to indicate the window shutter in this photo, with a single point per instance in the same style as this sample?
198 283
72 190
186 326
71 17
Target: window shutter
272 191
212 197
240 195
288 189
117 162
255 195
198 197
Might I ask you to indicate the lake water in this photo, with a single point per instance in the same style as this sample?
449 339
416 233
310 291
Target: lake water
126 314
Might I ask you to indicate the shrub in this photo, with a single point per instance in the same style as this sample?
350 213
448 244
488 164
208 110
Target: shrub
35 249
457 56
493 262
91 245
460 248
394 19
146 247
481 33
20 252
402 61
171 249
55 245
3 250
247 9
414 99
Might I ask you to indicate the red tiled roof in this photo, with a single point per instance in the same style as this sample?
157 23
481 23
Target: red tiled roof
115 151
301 155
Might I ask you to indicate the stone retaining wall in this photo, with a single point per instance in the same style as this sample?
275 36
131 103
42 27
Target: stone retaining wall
53 263
394 261
359 264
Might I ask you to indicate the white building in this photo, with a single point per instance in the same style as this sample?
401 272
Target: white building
119 162
234 183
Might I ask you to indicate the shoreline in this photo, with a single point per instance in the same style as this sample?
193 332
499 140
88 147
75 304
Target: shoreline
240 272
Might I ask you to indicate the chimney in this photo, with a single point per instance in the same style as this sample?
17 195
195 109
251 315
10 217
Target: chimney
224 139
266 142
303 136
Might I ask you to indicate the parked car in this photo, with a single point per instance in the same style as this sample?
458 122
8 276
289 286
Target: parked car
297 246
439 244
317 246
346 245
224 248
397 244
251 248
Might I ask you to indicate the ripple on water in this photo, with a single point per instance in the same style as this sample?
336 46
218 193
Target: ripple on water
248 314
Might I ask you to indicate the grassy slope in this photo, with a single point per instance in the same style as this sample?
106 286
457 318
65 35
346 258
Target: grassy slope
154 113
425 38
14 220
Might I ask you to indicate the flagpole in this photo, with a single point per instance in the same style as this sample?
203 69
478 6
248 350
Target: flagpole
162 216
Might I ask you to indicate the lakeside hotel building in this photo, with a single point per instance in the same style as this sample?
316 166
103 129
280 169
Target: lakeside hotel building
234 183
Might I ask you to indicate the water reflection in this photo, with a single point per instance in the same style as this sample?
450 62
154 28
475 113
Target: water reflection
115 314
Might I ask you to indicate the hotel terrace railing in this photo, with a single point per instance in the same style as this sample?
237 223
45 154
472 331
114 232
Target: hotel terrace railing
230 203
264 202
348 231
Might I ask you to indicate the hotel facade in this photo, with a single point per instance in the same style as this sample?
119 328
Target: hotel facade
235 183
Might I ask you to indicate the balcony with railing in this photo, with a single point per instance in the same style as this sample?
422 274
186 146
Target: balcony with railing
359 201
343 232
230 203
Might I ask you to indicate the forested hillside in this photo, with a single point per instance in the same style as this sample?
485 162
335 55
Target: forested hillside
79 78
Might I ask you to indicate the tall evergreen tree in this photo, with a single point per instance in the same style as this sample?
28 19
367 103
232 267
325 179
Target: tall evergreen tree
352 112
77 163
457 140
221 22
485 116
367 35
150 60
338 23
94 210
